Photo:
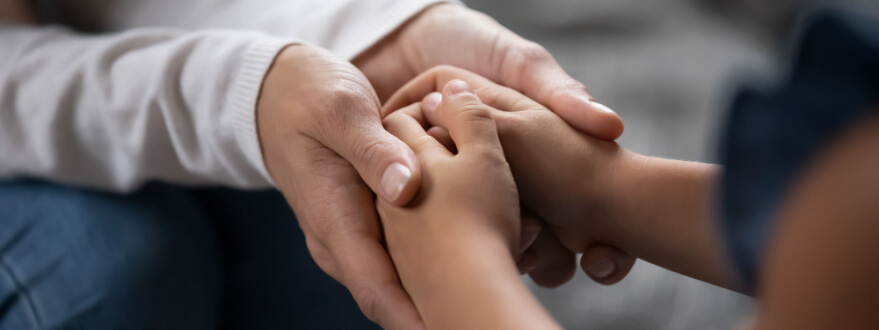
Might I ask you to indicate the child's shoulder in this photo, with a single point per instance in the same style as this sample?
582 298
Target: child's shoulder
771 134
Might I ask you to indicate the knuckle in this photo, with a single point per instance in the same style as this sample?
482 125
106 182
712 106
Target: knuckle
524 57
540 117
367 300
533 52
342 107
510 124
475 112
526 54
370 152
346 94
318 227
572 84
321 256
442 69
423 141
490 156
392 120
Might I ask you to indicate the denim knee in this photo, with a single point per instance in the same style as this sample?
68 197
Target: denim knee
75 258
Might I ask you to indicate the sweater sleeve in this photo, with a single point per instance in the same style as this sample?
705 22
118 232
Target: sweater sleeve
345 27
115 110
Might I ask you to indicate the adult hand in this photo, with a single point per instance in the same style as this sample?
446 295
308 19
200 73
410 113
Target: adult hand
454 35
320 130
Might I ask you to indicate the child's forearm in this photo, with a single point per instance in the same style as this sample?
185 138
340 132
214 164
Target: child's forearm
663 212
473 284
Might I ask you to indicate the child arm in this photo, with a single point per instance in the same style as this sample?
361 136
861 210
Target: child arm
593 192
453 245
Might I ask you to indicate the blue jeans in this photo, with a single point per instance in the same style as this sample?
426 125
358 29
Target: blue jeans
163 257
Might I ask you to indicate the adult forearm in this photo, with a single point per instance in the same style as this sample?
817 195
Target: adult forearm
115 110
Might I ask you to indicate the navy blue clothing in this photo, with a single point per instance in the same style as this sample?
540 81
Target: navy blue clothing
164 257
771 135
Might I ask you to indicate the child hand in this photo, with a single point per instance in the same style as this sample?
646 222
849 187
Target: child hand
468 203
562 174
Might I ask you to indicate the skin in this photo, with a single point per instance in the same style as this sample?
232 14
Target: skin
820 270
317 117
817 272
448 34
469 247
322 139
527 129
593 194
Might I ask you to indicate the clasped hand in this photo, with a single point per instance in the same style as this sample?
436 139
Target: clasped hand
320 127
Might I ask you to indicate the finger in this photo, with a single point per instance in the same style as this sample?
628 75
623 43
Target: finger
492 94
467 119
337 213
531 227
555 263
528 67
430 107
543 80
430 111
404 126
384 162
527 262
605 264
442 136
415 111
372 279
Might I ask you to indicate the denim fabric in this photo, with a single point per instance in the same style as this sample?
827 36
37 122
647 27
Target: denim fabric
771 135
163 257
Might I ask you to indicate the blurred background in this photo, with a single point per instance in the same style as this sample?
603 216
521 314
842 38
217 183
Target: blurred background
669 67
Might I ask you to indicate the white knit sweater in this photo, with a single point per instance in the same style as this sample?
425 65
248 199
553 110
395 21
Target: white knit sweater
160 89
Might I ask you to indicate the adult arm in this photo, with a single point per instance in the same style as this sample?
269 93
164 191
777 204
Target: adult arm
347 27
113 111
318 125
344 27
214 107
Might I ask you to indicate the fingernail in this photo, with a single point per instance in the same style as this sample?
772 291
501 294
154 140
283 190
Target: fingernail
458 87
602 268
394 179
431 102
602 107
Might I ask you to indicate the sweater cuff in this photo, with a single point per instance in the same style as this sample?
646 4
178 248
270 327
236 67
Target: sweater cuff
257 60
386 23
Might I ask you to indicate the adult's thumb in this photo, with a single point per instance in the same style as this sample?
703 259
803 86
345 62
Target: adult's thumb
383 161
